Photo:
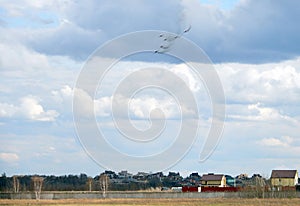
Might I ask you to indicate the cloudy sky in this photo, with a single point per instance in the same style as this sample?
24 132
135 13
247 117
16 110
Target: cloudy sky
254 47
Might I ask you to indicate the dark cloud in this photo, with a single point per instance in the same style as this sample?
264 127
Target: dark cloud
87 25
251 32
118 17
265 30
66 40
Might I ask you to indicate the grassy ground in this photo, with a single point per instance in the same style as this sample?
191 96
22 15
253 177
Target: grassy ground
156 202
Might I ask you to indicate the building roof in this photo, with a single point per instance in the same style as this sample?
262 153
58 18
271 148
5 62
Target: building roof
283 173
212 177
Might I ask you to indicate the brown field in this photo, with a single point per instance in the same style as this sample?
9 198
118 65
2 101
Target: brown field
163 202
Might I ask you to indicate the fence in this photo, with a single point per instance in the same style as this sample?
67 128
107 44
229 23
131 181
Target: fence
95 195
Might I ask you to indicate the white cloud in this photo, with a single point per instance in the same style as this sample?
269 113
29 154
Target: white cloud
102 106
264 113
23 72
272 142
7 110
29 108
185 73
84 106
262 99
267 83
265 92
63 96
257 112
9 157
18 58
142 107
284 141
147 99
139 107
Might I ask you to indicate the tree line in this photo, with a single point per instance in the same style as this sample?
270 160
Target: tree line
82 182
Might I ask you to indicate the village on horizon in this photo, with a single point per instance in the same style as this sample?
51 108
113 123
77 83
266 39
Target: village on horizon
280 180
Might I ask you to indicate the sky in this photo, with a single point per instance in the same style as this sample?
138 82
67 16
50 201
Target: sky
253 46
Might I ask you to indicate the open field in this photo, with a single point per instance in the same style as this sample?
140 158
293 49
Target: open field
155 202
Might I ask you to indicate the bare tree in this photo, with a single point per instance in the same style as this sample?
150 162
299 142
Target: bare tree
104 182
89 182
37 186
260 185
16 184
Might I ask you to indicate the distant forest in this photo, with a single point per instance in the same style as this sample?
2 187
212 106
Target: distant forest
83 182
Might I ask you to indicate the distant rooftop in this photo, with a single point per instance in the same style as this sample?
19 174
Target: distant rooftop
212 177
283 173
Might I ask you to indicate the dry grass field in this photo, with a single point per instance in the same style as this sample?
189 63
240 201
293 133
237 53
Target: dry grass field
156 202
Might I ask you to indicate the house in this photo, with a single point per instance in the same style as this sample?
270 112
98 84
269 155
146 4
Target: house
284 178
213 180
158 175
173 176
242 176
110 174
125 175
141 176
